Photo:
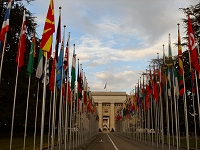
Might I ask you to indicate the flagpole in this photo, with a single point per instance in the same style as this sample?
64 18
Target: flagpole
18 62
156 114
167 101
13 112
185 107
152 121
195 129
197 87
49 131
66 113
170 66
26 113
81 106
74 117
54 112
36 109
73 79
4 47
43 104
145 112
78 107
5 25
175 112
60 106
70 122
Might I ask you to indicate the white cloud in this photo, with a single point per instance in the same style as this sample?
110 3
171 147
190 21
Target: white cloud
115 39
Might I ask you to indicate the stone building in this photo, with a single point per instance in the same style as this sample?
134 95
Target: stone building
107 104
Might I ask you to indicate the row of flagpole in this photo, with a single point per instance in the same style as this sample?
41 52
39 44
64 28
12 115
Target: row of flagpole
148 109
70 107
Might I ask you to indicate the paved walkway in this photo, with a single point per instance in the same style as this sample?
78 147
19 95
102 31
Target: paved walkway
148 145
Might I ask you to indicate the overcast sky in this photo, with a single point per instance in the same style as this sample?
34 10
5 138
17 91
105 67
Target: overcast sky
116 39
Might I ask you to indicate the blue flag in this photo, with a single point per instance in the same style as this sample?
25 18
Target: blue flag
60 68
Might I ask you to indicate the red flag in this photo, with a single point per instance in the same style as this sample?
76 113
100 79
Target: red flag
66 61
69 93
192 46
146 102
155 87
52 77
22 44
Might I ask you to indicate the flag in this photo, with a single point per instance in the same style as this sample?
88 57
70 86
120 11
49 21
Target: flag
31 56
150 83
85 91
176 84
105 85
66 57
5 25
73 70
39 70
170 53
155 87
79 80
69 93
47 73
58 38
169 71
21 44
59 69
49 29
181 70
160 80
51 82
192 46
169 75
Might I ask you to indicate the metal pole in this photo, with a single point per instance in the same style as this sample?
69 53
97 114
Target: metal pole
26 114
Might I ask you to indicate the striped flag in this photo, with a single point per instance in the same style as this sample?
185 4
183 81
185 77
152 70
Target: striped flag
181 70
39 70
176 85
5 25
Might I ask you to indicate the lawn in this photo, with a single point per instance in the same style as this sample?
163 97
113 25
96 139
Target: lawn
18 140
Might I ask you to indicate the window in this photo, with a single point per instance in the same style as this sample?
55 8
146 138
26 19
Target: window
105 110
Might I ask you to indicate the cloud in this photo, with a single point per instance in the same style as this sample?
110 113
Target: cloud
115 80
115 40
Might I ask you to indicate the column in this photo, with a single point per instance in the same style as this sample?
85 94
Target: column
100 116
112 117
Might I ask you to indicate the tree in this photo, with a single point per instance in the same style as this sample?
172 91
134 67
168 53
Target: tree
7 83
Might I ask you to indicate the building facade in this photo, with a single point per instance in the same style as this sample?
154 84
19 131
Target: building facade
107 104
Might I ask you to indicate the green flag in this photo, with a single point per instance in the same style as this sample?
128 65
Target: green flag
73 71
31 57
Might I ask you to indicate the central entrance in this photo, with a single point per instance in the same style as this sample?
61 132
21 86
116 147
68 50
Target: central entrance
106 123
